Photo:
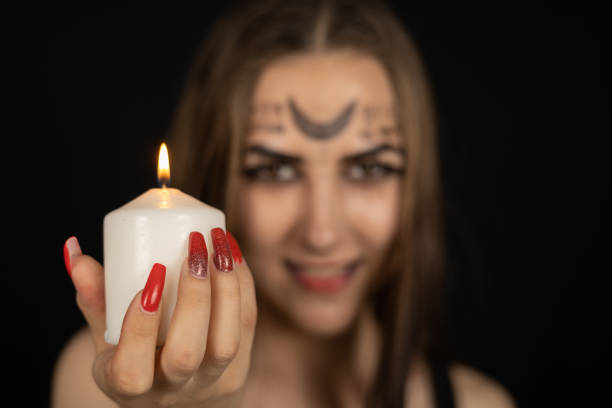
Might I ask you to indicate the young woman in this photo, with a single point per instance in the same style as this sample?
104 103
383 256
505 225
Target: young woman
311 124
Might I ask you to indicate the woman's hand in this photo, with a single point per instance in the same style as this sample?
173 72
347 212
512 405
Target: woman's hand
206 356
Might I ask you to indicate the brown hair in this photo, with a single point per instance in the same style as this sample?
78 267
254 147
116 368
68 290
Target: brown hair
211 121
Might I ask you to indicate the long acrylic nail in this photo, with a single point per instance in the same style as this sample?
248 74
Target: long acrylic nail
198 255
71 248
152 293
223 257
235 249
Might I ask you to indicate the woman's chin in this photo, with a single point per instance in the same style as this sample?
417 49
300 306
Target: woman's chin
317 316
324 320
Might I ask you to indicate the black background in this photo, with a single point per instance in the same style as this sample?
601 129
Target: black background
523 99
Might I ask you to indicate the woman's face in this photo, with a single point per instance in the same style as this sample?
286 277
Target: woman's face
320 185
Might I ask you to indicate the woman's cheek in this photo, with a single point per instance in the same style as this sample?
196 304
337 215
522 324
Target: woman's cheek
373 211
267 214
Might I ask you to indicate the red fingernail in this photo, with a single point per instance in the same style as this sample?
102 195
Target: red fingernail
198 255
223 257
71 248
235 249
152 293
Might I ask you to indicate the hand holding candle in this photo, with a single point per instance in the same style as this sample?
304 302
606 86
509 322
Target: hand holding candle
153 227
205 335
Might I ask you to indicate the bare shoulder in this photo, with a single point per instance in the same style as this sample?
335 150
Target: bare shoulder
73 382
474 389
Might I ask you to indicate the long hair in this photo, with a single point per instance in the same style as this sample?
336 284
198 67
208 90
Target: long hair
211 121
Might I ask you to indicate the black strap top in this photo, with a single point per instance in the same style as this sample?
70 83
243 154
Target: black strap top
443 390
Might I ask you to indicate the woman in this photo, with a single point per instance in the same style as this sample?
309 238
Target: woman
312 126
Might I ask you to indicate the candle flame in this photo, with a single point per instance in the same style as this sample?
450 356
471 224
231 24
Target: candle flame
163 166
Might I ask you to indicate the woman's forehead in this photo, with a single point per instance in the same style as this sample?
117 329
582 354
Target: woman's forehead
324 104
354 128
322 83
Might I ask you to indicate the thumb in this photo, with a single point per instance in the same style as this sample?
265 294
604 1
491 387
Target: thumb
88 278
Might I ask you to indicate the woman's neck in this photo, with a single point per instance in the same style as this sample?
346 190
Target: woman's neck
290 358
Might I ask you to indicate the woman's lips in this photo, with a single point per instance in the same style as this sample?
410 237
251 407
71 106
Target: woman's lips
321 277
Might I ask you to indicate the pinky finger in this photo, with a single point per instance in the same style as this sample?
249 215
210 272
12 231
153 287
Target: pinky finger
248 302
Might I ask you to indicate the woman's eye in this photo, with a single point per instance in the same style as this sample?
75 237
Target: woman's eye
279 172
369 170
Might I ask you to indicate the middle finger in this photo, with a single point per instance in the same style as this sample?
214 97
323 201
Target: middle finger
185 343
224 332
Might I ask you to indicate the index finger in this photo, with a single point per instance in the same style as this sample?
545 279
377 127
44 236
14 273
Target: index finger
130 371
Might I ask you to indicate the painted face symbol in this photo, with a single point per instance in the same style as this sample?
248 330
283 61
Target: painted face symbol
321 131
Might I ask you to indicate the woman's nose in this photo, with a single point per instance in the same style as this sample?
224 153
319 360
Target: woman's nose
322 218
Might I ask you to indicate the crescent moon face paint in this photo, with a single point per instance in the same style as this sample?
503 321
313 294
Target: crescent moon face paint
317 130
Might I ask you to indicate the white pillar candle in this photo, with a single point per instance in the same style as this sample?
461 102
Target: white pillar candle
152 228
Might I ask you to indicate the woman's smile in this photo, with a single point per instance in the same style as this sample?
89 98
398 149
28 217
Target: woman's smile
329 276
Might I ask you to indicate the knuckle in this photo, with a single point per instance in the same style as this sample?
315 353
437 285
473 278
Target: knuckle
228 292
79 263
130 383
140 328
196 298
88 301
223 354
88 280
183 363
84 263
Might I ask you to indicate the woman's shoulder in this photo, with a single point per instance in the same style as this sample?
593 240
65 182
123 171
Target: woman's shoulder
79 348
73 382
471 388
76 354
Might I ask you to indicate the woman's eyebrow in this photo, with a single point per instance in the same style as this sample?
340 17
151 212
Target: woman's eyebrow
374 151
264 151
